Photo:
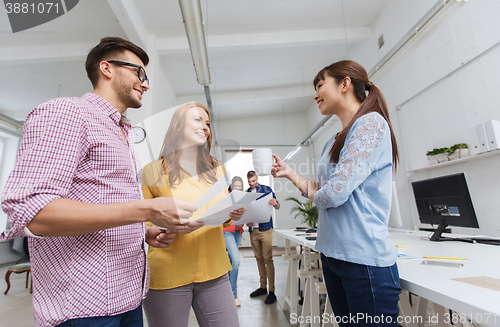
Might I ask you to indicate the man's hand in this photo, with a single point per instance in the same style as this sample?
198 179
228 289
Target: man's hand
239 227
237 214
274 203
173 214
250 224
159 238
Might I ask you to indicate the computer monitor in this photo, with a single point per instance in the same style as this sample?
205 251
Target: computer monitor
445 201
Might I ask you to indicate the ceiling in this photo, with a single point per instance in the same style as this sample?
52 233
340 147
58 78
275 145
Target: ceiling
263 53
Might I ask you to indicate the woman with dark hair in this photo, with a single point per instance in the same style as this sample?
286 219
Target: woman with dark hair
232 235
236 184
354 198
193 270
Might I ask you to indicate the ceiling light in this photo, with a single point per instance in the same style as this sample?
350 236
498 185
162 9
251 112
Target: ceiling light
310 137
293 152
10 122
193 22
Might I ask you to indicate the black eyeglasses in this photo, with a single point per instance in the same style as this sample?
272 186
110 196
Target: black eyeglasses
141 73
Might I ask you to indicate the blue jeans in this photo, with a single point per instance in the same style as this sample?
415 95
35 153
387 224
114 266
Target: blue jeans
233 241
362 295
132 318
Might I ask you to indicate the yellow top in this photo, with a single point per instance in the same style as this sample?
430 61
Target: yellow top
192 258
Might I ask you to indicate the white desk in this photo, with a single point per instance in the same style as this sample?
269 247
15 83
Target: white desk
435 283
310 274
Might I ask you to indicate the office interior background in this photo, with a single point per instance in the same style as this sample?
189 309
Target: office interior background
435 61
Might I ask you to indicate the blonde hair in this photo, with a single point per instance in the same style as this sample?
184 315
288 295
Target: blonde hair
170 151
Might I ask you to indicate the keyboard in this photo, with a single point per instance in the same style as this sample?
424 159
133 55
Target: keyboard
479 240
485 240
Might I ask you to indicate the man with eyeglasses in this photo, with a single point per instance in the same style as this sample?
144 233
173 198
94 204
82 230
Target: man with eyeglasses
75 192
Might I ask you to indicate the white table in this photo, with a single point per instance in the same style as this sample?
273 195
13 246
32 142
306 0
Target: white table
311 306
433 283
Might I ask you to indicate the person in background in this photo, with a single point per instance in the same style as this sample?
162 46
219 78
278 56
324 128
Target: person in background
74 191
232 235
354 198
192 272
261 238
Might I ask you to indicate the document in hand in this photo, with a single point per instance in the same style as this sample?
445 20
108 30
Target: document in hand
214 190
259 211
219 213
211 193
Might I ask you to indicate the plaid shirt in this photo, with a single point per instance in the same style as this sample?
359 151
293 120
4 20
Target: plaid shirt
266 190
73 148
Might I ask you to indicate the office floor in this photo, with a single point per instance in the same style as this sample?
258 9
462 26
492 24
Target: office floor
16 307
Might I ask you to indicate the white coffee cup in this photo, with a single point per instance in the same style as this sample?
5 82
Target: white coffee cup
262 161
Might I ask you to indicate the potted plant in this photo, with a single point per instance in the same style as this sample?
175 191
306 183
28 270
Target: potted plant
438 155
306 210
459 150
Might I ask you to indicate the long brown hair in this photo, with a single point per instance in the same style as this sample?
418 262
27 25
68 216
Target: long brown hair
170 152
374 102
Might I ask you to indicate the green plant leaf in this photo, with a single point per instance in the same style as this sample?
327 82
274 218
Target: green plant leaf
305 210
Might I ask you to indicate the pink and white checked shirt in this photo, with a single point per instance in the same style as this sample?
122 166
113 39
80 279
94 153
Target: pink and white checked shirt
73 148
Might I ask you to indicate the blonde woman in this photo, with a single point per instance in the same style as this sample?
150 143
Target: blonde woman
192 272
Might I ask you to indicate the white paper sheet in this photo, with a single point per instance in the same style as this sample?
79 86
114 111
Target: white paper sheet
219 213
213 191
259 211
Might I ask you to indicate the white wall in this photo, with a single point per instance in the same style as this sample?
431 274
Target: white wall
156 126
8 160
287 129
10 146
442 115
394 22
159 104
